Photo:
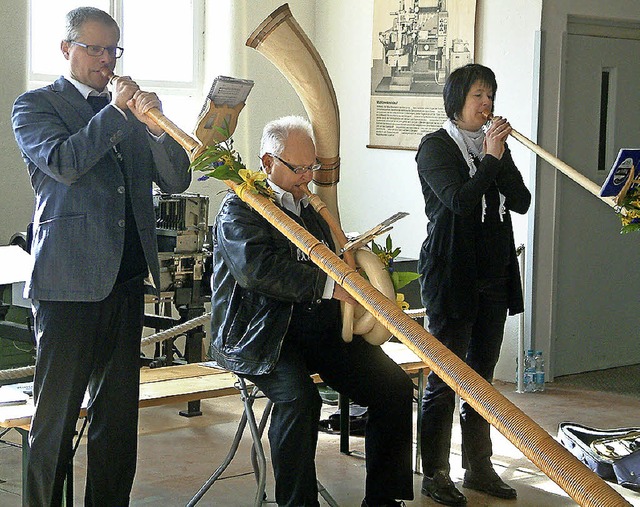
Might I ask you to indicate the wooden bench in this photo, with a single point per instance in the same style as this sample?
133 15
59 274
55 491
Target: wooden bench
199 381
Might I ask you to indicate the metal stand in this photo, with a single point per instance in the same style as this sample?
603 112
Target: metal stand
258 459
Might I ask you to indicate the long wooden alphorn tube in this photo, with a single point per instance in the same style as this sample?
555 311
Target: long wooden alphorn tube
563 167
284 43
583 485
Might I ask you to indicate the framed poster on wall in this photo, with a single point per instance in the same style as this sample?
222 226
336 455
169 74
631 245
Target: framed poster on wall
416 45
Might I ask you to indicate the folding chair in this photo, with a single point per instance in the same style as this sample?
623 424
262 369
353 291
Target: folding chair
258 460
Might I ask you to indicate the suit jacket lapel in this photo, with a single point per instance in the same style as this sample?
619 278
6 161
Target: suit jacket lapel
74 98
78 103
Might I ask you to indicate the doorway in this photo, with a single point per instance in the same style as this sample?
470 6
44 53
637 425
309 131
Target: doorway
596 317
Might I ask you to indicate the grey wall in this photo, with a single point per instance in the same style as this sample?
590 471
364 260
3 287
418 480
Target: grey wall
547 331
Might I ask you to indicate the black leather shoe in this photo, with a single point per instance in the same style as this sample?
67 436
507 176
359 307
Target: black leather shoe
490 484
441 488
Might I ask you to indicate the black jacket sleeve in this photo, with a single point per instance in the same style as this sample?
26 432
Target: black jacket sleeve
261 259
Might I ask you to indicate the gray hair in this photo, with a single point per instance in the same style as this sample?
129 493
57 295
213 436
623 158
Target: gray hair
276 133
81 15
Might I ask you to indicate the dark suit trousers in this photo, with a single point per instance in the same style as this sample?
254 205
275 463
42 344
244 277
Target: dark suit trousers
96 346
362 372
478 343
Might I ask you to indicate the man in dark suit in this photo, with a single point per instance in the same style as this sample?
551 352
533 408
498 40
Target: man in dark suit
92 169
276 319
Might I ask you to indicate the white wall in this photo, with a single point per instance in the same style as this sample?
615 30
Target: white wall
376 183
16 197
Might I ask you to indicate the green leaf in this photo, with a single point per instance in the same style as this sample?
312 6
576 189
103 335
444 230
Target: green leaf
630 228
224 172
402 278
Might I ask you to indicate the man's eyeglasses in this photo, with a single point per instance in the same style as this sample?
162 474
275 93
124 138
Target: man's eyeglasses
114 51
299 169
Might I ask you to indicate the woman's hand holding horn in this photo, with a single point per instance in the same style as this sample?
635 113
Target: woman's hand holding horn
496 135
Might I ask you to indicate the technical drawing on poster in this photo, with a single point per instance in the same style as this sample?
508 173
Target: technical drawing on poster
416 45
427 40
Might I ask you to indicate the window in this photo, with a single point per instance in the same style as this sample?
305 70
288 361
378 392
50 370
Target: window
163 41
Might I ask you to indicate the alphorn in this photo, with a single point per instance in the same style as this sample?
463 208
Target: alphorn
583 485
282 41
563 167
293 53
354 319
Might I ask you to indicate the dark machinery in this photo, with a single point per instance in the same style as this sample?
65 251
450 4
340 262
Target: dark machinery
185 269
419 53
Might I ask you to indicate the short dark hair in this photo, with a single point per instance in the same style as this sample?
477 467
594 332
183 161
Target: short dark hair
460 82
77 17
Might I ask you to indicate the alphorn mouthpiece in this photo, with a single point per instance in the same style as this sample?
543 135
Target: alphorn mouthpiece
108 74
487 114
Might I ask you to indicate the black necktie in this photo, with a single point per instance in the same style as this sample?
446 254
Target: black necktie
98 102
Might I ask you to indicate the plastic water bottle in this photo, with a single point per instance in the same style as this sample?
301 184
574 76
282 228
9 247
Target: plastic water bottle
529 378
539 374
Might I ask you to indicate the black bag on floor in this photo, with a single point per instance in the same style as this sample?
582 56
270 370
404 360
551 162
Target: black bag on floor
612 454
357 421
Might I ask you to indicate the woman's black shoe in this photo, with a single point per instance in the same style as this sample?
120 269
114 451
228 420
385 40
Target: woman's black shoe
491 485
441 488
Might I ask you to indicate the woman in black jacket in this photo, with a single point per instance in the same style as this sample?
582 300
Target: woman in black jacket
470 275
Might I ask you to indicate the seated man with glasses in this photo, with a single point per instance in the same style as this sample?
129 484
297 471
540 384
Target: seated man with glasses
276 321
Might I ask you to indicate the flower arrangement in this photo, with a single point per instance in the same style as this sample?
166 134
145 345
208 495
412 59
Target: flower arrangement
387 254
630 210
223 162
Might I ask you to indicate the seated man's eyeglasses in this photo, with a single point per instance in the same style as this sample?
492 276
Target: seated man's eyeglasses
299 169
114 51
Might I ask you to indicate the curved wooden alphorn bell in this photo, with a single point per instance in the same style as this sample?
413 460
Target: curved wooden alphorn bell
282 41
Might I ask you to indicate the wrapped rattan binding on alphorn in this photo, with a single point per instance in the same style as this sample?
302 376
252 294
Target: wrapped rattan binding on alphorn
583 485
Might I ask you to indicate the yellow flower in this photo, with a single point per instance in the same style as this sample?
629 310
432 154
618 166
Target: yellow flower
402 304
384 257
250 178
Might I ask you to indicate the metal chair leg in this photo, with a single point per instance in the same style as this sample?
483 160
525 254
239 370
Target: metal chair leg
248 401
258 459
326 495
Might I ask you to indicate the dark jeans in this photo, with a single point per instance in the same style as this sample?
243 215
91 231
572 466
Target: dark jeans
80 346
362 372
478 343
